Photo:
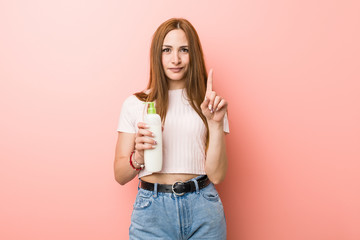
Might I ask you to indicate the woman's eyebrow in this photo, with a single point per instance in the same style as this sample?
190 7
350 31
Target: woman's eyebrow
185 46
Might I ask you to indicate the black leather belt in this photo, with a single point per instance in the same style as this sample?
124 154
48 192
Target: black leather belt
179 188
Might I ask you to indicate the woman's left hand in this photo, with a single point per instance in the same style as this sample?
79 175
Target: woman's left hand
214 106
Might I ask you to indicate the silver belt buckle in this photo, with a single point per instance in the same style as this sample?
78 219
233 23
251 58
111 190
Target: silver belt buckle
173 189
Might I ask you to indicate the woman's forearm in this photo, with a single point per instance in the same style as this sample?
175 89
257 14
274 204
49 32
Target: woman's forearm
123 171
216 159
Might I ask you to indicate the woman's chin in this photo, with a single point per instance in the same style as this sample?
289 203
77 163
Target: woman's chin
176 78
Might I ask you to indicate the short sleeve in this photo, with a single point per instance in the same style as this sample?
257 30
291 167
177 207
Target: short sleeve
127 117
226 124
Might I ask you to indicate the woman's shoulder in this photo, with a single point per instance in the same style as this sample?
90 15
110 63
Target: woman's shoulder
133 99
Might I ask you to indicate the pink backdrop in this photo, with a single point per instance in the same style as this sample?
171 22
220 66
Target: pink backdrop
289 69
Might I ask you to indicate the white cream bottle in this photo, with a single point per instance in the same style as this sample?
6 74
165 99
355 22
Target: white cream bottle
153 157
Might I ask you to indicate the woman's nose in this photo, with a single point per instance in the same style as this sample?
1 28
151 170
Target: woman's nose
175 59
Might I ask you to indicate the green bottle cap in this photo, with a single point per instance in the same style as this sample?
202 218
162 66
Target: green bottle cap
151 108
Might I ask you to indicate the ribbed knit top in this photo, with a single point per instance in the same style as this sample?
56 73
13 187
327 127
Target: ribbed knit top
184 134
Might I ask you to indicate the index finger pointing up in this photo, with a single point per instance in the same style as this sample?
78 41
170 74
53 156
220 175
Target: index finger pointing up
209 81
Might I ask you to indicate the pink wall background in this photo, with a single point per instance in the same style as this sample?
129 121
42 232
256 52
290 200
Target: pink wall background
289 69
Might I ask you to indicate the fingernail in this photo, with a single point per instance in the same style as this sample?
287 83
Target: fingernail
210 107
217 109
155 142
153 146
147 126
152 134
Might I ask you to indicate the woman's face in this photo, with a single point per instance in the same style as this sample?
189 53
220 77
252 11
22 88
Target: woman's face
175 58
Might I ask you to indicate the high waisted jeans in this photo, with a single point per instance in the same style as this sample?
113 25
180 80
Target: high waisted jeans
196 215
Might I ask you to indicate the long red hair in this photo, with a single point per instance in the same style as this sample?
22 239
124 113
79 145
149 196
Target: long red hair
196 77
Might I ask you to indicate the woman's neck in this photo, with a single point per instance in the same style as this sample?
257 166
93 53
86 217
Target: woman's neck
176 84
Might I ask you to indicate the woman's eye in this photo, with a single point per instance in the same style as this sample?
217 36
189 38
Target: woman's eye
166 50
185 50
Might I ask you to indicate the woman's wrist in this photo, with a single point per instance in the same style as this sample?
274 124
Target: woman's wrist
137 162
138 158
213 125
131 162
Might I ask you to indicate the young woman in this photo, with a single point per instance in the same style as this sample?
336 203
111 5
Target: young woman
180 201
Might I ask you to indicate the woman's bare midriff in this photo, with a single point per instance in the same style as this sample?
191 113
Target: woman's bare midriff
167 178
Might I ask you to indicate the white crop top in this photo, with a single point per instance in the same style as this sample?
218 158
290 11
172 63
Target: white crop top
184 134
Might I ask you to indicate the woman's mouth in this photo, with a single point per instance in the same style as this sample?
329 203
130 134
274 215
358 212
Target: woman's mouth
175 70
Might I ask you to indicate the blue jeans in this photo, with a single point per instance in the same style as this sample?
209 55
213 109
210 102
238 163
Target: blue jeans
196 215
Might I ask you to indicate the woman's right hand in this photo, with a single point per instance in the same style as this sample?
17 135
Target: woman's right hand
143 140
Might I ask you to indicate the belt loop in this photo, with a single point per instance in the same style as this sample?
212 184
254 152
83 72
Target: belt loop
196 185
155 190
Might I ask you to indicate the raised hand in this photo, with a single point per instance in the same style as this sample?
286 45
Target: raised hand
214 106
